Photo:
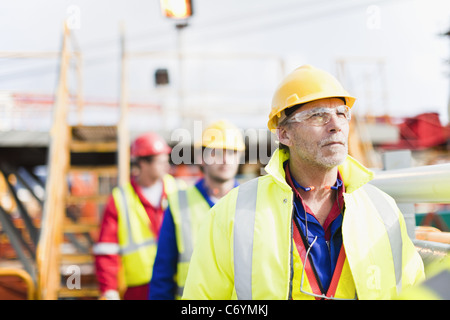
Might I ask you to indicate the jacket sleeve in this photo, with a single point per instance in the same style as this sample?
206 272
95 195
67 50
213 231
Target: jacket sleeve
210 274
412 264
162 285
106 250
413 268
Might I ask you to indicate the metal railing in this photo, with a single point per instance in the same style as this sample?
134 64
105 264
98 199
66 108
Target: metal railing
25 277
424 184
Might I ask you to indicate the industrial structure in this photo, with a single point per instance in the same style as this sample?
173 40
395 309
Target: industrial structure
56 178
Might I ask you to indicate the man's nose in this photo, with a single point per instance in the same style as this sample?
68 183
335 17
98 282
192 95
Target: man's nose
335 124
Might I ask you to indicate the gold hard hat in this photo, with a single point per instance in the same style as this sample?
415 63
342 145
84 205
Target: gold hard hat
222 135
304 84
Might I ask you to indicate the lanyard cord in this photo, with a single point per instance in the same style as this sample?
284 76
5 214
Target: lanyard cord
305 239
308 247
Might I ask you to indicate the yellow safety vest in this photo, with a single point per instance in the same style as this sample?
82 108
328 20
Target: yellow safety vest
136 240
342 285
246 249
188 208
435 287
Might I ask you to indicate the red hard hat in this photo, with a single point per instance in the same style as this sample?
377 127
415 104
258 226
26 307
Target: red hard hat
149 144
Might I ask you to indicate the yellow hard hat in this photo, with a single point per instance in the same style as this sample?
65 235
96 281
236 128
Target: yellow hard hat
222 135
304 84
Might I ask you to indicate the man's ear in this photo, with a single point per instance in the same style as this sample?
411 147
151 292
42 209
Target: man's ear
284 136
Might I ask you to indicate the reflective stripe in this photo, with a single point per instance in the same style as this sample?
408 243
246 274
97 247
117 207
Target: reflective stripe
135 247
132 246
439 284
185 256
189 208
106 248
392 225
244 222
127 215
244 230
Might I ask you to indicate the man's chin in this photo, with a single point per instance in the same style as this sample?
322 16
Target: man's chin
333 161
222 178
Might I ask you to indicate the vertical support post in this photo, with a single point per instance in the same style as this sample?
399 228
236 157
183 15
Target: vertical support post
79 79
48 251
398 160
123 135
122 131
80 102
180 27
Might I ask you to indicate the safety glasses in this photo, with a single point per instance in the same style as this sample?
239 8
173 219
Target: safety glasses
321 116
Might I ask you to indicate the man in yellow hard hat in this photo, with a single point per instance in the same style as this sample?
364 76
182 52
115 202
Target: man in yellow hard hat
312 228
222 148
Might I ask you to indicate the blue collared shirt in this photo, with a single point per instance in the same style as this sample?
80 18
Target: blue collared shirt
162 284
324 253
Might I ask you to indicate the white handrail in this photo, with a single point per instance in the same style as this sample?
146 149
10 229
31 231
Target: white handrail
424 184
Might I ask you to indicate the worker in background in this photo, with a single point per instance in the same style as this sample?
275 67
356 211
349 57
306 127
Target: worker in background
131 222
435 287
222 147
312 228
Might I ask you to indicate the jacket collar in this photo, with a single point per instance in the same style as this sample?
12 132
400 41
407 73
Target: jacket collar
354 174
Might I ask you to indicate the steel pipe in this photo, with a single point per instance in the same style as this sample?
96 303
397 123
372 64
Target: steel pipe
431 251
425 184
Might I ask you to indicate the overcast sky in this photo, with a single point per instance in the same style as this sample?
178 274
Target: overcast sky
391 53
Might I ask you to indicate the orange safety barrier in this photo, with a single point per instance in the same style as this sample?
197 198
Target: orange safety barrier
432 234
9 275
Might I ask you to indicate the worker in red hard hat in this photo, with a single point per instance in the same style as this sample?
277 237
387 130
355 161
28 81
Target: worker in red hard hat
131 222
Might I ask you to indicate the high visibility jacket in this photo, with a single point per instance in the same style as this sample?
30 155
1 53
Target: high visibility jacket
245 249
435 287
137 242
341 287
189 209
